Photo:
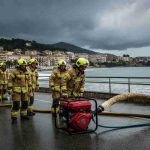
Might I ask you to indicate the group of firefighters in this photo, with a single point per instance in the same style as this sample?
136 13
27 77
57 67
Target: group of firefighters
22 82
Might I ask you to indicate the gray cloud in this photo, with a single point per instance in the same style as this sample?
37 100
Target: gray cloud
111 24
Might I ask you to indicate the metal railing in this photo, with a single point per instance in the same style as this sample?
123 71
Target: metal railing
110 81
128 81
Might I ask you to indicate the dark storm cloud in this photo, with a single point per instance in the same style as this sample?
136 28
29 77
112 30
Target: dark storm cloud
97 24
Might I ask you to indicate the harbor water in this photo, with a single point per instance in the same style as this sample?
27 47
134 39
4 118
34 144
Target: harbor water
110 72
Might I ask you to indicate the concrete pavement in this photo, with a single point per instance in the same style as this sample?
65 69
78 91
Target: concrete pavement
39 132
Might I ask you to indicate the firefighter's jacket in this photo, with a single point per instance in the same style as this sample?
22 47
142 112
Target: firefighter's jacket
3 79
58 83
75 84
34 77
19 81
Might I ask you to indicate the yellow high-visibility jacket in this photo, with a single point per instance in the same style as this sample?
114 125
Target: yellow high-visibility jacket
75 84
19 81
34 77
3 79
58 81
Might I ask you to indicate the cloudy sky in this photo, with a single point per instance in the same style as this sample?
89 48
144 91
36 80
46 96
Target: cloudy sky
112 26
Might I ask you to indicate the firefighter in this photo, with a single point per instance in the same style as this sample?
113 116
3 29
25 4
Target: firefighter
3 80
57 83
75 85
32 70
18 84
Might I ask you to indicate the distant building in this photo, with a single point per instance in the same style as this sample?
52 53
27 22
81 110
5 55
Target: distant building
142 59
13 57
17 51
111 58
3 57
71 55
1 48
48 52
126 57
28 44
31 52
84 55
97 58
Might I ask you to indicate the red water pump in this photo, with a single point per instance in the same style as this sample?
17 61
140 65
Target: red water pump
76 115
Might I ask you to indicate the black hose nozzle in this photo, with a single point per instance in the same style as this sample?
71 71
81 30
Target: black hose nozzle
100 109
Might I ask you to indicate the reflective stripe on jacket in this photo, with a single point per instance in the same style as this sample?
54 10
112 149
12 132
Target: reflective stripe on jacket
58 80
34 77
3 77
19 81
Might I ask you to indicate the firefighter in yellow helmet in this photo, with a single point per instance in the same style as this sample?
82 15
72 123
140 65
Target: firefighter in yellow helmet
19 83
58 84
75 85
32 70
3 80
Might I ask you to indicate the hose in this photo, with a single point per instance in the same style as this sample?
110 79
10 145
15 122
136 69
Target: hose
123 97
126 126
124 114
42 110
103 113
5 105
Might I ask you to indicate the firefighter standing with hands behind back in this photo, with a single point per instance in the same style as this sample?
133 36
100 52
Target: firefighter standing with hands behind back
19 84
3 80
32 70
58 84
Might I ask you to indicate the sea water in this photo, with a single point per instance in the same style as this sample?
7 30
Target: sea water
110 72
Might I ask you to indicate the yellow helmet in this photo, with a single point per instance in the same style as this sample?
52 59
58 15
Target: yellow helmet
82 62
61 62
21 62
33 60
2 64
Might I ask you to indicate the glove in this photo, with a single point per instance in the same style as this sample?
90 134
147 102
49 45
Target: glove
75 94
81 94
55 103
4 91
64 95
36 88
10 91
55 89
52 88
30 89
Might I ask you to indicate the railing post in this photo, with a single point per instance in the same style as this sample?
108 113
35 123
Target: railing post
109 86
129 85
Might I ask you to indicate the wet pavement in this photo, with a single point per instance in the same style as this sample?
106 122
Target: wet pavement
39 132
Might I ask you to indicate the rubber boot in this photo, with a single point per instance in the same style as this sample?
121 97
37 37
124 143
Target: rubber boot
30 113
24 117
13 120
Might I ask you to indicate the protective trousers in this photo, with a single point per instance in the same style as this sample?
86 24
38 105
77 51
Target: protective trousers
17 98
55 106
3 92
30 106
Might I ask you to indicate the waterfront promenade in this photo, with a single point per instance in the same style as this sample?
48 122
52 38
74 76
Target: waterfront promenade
39 132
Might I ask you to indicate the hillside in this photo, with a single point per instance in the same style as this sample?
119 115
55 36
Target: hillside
10 44
71 48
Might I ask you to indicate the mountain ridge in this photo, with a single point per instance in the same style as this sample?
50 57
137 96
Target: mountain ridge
11 44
